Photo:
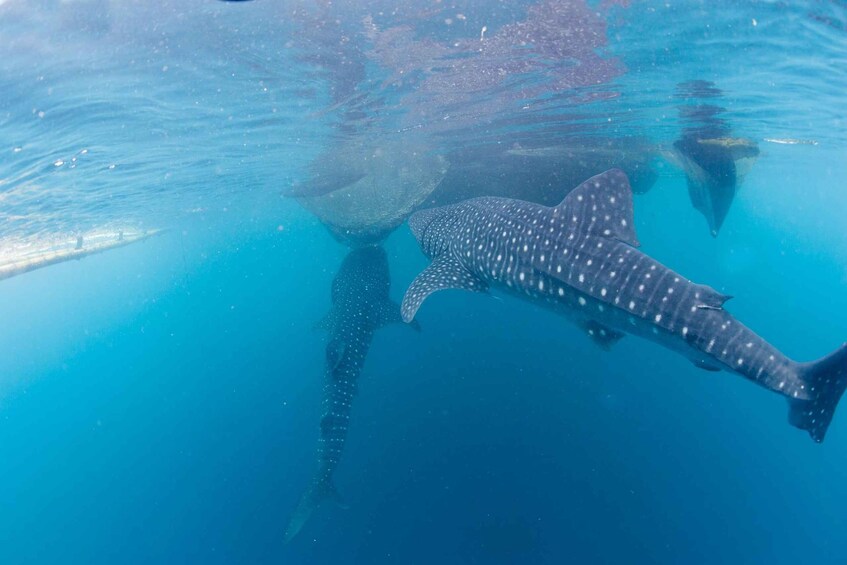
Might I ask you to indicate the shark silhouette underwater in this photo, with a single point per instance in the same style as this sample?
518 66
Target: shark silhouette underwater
360 306
714 160
580 259
714 169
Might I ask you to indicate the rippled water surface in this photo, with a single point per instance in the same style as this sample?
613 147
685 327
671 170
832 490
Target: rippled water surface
152 111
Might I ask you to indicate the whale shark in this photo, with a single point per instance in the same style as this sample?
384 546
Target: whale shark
580 258
360 306
714 168
714 160
368 187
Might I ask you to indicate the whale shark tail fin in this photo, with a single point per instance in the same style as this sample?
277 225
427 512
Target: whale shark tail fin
314 497
825 380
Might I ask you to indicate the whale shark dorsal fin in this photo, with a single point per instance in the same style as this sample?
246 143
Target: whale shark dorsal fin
602 205
444 272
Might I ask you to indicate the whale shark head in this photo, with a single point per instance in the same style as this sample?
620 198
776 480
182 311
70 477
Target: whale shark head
420 221
429 228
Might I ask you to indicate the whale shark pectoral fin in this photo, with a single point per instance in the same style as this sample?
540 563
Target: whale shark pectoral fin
387 312
602 206
444 272
324 323
706 366
333 495
605 337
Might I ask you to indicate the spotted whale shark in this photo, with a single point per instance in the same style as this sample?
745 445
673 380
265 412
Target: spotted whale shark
360 306
581 259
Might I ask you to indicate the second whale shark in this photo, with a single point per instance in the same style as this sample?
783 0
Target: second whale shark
580 259
360 306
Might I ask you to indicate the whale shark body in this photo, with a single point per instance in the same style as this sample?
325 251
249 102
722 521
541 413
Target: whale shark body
580 259
360 306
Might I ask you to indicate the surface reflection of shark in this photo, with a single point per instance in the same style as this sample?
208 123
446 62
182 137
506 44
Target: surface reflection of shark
360 306
715 163
714 168
538 169
361 189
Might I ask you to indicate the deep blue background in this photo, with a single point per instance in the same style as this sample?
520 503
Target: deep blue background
161 405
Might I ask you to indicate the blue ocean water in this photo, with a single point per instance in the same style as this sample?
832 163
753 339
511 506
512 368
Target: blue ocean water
160 403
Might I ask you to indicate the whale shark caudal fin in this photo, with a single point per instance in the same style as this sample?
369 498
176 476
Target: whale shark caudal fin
443 273
603 206
314 497
826 380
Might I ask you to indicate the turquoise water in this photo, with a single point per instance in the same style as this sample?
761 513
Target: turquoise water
160 403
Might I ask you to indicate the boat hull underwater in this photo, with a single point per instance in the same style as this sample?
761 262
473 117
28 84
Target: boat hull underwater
25 258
